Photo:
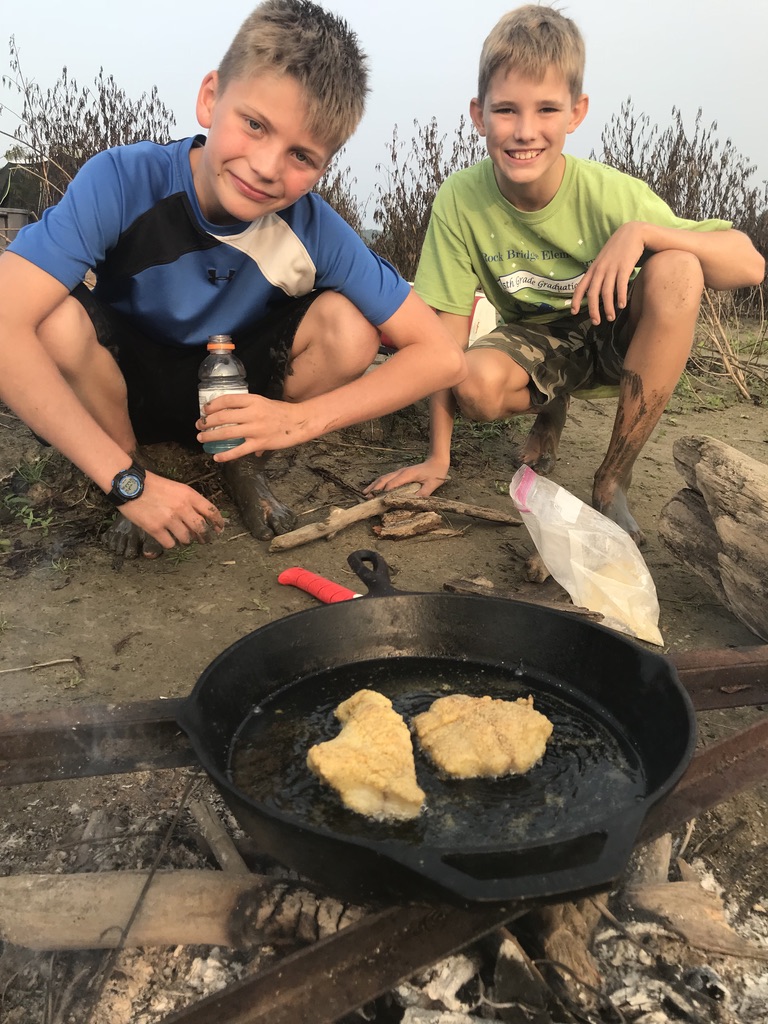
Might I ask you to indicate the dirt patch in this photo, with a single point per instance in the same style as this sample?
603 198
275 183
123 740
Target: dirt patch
78 627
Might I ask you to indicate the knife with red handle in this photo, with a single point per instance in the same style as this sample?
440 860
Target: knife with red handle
318 586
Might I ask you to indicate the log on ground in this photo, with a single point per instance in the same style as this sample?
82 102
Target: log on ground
716 525
186 907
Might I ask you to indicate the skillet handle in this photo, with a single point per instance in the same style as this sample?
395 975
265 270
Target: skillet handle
376 578
580 863
318 586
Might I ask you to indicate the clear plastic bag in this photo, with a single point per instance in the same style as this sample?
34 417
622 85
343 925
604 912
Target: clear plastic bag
589 555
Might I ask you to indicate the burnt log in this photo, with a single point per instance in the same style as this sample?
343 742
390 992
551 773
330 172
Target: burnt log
186 907
716 525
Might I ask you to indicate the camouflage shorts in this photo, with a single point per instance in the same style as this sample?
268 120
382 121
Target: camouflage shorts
564 355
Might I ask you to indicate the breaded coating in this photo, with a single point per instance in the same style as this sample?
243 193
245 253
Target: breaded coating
471 737
370 763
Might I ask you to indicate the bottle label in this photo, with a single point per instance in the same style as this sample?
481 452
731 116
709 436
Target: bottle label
207 395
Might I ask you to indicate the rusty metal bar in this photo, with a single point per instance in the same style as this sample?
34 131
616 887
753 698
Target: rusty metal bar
716 773
724 678
337 975
80 742
102 740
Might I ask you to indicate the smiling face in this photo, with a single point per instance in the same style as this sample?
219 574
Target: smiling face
525 123
257 158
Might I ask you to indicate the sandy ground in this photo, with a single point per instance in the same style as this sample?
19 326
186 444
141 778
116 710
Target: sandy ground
79 628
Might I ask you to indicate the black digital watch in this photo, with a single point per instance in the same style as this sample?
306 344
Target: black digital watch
127 485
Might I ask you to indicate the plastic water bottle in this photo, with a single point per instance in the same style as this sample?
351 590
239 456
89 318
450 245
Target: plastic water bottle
221 373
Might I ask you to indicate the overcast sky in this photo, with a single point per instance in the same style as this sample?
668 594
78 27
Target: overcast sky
423 56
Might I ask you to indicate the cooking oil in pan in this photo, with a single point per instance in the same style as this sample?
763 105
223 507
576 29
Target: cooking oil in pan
589 768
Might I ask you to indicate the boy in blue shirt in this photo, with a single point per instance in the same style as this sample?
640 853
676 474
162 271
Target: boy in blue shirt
556 244
215 235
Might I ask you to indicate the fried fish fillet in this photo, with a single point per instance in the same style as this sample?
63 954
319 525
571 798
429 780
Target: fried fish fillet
370 763
470 737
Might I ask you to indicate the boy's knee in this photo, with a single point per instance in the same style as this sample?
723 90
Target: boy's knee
336 326
481 398
494 388
673 279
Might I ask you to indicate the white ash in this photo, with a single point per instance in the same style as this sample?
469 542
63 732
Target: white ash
415 1015
210 974
631 975
438 987
126 823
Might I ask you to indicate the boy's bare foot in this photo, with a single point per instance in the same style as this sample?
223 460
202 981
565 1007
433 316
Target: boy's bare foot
126 539
263 515
611 499
539 450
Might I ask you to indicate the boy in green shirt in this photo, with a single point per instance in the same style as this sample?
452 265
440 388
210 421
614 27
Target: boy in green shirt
556 244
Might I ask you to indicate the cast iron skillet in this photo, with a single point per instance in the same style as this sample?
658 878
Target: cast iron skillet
624 733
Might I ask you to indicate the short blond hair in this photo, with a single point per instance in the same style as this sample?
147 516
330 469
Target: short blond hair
318 49
530 40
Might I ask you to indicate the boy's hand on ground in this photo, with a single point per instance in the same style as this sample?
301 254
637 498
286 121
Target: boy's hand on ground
265 424
173 513
428 474
608 277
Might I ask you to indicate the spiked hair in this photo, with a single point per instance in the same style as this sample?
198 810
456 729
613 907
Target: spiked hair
530 40
318 49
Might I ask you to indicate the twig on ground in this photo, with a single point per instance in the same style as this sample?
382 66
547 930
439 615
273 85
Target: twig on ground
44 664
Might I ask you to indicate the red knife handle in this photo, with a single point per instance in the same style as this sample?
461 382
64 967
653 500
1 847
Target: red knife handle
318 586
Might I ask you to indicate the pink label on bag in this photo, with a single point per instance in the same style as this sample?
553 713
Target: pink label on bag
523 489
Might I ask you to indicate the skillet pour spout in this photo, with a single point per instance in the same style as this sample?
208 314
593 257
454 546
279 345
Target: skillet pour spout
624 732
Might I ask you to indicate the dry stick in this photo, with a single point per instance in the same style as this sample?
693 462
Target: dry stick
41 664
217 837
401 497
65 1000
723 346
459 508
337 519
609 916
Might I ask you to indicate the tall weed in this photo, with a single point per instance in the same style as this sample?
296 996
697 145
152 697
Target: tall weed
62 127
403 201
693 172
337 188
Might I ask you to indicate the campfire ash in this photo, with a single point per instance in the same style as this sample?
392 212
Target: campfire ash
655 951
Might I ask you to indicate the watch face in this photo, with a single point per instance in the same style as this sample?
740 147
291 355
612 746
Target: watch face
130 485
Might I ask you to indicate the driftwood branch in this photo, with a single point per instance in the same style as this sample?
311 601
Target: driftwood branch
338 519
401 498
400 524
219 908
458 508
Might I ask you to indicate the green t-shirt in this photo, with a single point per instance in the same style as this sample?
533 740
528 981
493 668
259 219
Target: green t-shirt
528 264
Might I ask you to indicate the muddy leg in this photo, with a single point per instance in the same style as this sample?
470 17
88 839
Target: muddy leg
664 306
636 416
539 450
262 513
123 537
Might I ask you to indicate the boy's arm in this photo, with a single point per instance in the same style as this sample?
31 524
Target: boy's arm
427 359
32 385
442 409
728 260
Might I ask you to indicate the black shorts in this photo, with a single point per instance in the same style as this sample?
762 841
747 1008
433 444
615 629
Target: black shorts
162 379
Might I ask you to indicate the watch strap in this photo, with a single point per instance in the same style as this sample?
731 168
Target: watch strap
115 496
